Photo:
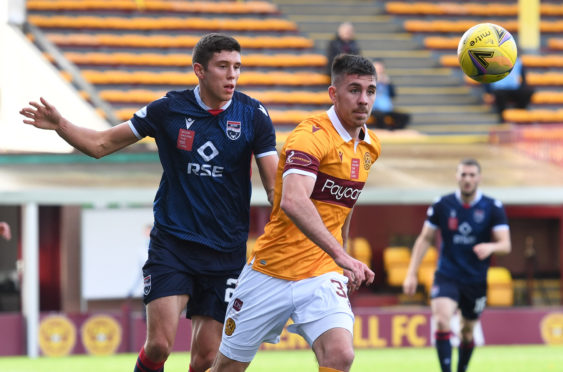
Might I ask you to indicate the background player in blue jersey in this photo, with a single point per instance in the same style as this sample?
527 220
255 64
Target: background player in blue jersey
206 138
473 227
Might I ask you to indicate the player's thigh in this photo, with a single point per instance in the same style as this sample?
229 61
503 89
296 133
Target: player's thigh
163 315
257 313
321 304
443 309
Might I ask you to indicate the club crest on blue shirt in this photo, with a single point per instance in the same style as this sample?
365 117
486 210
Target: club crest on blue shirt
478 215
233 129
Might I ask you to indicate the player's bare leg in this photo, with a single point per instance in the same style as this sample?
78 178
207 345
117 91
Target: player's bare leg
163 315
443 309
334 349
224 364
206 338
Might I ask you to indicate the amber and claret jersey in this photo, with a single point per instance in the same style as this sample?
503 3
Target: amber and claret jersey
318 147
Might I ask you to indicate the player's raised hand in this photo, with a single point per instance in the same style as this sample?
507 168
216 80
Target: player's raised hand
42 115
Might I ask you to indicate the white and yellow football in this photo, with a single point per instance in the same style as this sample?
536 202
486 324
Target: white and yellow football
487 52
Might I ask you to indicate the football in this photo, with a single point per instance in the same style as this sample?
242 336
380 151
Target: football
487 52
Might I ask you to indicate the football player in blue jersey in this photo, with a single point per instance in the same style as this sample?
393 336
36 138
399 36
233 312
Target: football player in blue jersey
473 226
206 138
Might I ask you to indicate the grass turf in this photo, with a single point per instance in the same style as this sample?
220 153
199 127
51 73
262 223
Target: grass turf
485 359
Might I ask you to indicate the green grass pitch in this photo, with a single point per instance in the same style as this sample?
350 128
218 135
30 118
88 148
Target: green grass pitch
530 358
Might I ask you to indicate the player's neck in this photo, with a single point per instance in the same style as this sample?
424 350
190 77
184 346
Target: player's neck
468 198
209 101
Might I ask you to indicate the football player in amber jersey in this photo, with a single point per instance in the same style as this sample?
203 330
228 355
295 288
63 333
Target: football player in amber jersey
296 270
206 138
473 226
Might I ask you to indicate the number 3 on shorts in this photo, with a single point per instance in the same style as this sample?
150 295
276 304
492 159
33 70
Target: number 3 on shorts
340 290
230 288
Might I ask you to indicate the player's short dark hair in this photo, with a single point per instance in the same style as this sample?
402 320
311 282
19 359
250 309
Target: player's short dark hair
471 162
211 44
350 64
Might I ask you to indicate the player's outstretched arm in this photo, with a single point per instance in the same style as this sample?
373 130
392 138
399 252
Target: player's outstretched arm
93 143
421 245
296 203
268 166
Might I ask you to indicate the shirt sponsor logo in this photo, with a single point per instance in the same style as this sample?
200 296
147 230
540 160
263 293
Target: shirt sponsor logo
464 236
233 129
336 190
208 152
340 191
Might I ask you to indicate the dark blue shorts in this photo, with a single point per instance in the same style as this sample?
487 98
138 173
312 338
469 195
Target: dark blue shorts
470 297
178 267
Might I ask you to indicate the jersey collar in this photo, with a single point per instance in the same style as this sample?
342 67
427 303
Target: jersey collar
478 196
203 105
340 128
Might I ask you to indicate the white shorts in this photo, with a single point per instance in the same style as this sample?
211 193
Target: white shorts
261 305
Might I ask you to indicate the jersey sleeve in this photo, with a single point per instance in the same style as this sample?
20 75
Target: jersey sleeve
264 135
305 150
499 219
432 215
146 121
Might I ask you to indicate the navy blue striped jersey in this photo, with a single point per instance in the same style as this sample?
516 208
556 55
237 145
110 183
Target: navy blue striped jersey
462 227
204 192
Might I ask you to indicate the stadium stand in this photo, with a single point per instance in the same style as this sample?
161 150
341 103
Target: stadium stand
441 25
361 250
440 104
500 289
396 262
134 55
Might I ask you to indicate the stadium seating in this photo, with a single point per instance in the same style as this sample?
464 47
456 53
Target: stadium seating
258 7
133 52
500 290
396 262
442 24
465 9
360 249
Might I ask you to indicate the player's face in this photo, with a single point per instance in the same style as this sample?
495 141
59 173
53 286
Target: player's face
353 97
468 178
217 83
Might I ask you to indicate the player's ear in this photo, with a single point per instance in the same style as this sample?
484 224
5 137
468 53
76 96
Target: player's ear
332 93
198 70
